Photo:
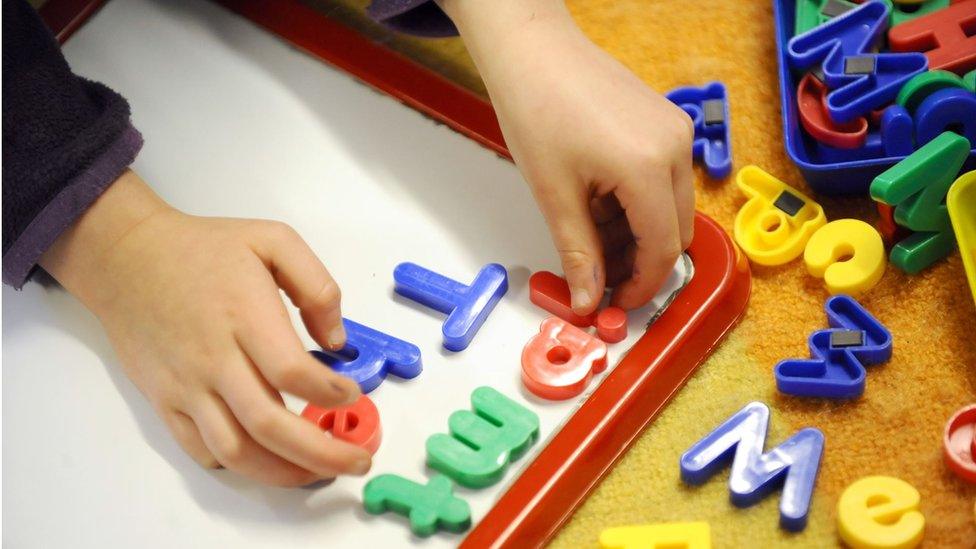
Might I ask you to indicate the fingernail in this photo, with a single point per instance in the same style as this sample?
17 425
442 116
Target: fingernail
581 299
336 337
321 483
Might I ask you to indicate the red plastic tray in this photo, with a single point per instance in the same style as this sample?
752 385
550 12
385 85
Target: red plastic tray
576 459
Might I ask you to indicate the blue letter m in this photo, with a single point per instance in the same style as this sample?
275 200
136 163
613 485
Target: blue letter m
794 463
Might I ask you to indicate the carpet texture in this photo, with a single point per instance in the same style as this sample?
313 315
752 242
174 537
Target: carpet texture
894 429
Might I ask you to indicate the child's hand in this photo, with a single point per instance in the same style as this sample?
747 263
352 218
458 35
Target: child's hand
608 159
193 310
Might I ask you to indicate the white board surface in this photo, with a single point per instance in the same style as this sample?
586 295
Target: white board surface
239 124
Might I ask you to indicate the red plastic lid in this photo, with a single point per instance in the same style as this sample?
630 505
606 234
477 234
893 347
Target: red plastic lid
959 443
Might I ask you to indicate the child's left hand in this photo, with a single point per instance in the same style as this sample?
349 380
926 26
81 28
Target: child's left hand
608 159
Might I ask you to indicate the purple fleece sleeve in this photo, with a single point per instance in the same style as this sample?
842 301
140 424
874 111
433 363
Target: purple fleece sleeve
65 140
420 17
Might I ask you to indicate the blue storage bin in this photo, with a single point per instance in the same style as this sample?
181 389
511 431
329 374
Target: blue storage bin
834 178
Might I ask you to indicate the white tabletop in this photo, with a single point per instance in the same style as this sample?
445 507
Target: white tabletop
239 124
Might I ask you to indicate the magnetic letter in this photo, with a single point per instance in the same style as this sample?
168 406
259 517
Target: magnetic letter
917 188
860 81
428 507
708 108
848 254
837 370
794 463
369 355
551 293
559 362
880 512
942 35
466 307
773 226
482 443
358 423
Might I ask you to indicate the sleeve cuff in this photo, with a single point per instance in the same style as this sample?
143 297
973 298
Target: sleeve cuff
418 17
22 257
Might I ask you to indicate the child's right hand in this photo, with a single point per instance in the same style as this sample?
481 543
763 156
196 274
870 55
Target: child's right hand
193 310
608 159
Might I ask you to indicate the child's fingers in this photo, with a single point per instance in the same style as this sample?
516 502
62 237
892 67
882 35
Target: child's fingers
654 222
306 281
289 436
188 436
567 213
268 338
238 451
683 181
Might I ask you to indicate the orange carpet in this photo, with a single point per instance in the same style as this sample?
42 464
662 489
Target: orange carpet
894 429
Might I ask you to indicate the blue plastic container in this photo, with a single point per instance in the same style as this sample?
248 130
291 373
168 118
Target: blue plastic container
851 177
